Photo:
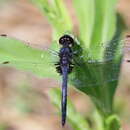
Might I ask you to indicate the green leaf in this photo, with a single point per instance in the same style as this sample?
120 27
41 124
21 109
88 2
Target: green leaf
110 122
97 22
98 123
99 81
85 11
57 15
16 54
113 123
105 25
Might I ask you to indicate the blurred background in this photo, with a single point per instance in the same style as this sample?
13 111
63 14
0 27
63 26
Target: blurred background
24 100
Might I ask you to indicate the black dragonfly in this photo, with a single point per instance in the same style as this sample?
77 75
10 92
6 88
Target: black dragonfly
64 65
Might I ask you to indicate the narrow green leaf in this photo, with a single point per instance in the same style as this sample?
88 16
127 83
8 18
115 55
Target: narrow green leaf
104 27
98 123
85 10
57 15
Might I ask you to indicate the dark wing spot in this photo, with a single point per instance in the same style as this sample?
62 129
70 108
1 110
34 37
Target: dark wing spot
127 60
128 35
3 35
6 62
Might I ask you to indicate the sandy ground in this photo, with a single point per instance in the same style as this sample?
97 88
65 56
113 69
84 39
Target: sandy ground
19 18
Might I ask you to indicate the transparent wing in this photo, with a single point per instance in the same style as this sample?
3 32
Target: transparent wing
111 48
20 55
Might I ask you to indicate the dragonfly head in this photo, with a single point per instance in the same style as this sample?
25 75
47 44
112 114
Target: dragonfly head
66 40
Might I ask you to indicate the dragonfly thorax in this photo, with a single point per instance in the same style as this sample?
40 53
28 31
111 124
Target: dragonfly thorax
65 51
65 54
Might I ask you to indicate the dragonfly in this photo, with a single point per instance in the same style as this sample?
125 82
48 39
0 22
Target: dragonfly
64 65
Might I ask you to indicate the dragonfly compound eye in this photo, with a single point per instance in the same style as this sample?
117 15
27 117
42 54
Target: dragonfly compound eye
66 39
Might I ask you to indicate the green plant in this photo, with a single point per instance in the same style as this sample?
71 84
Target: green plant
99 70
